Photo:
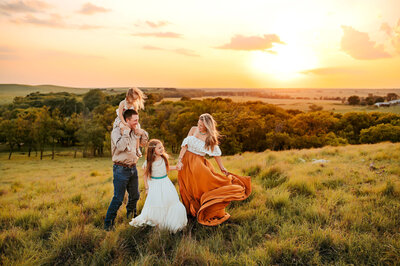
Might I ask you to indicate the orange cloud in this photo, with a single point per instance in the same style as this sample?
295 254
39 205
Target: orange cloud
25 6
90 9
158 34
54 21
252 43
182 51
394 34
358 45
328 71
158 24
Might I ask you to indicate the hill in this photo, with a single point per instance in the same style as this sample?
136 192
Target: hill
9 91
343 209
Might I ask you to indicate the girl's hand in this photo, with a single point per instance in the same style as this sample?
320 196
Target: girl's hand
147 190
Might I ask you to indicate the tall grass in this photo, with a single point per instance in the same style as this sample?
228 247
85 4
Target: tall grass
338 212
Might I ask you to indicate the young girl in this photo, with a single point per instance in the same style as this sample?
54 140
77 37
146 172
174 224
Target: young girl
162 206
134 99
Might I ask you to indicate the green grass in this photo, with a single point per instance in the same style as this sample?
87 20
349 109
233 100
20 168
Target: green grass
340 212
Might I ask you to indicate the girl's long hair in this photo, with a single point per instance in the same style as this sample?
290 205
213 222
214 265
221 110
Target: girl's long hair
139 102
151 155
212 132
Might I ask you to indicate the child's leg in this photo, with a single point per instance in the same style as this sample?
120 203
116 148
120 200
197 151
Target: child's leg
117 122
138 152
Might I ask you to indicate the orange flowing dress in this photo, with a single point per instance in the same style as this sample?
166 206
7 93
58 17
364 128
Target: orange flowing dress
204 192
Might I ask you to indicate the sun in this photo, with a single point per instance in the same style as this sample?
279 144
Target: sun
285 62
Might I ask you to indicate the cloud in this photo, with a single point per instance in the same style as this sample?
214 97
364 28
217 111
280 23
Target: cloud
89 27
393 34
53 21
158 24
252 43
158 34
25 6
181 51
149 47
358 45
7 53
67 55
386 28
90 9
329 71
186 52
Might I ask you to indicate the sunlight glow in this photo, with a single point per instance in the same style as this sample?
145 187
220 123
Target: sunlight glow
286 64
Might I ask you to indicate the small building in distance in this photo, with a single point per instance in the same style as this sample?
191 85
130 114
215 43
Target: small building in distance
389 103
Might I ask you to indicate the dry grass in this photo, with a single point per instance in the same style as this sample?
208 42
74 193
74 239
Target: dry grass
338 212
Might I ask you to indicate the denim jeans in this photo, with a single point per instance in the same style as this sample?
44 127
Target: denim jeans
125 179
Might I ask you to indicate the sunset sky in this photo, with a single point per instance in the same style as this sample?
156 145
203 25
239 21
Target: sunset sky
201 44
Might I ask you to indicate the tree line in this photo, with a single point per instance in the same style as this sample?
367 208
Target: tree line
47 121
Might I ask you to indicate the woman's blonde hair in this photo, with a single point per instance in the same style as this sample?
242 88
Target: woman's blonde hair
151 155
212 132
139 102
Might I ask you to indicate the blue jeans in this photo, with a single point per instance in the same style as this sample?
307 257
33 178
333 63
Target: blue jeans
125 179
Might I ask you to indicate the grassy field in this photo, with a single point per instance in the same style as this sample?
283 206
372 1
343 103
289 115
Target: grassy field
9 91
304 105
337 212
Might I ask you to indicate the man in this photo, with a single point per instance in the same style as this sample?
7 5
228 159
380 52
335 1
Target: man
124 156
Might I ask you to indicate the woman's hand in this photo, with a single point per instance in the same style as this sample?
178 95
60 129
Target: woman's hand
179 166
147 190
224 171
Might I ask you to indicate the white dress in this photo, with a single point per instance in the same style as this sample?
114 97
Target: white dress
162 206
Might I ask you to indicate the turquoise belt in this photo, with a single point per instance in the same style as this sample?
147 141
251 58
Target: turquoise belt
159 177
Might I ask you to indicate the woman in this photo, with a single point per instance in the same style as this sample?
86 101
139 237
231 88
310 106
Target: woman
204 192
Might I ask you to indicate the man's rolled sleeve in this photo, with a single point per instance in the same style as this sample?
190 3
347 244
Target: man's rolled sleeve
144 138
121 142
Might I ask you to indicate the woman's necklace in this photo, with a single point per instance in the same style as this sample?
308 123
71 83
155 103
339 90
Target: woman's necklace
202 133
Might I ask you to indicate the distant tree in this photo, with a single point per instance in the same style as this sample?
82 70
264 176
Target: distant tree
370 100
351 124
92 135
353 100
41 128
25 132
8 131
379 99
392 96
185 98
381 132
314 107
55 130
93 98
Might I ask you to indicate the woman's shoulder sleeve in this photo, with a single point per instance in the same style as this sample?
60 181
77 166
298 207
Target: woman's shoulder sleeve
185 141
215 152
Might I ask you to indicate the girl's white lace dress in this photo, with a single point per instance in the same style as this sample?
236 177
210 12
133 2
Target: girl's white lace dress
162 206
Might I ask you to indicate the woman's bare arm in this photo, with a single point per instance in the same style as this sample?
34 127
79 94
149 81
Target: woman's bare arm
221 166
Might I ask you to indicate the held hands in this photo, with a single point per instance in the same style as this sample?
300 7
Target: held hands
179 166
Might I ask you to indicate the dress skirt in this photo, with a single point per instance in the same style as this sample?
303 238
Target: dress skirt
162 207
205 193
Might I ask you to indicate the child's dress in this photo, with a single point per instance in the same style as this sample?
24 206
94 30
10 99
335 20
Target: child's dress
162 206
117 121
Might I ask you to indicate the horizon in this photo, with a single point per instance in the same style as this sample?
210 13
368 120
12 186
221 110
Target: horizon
194 45
194 88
